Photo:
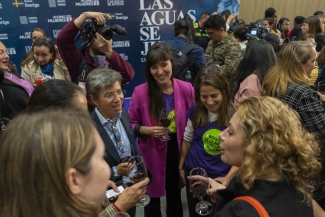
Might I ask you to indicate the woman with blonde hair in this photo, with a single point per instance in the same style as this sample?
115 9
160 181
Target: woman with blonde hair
275 155
56 167
289 80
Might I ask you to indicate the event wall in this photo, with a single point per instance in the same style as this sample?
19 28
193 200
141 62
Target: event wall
146 22
251 10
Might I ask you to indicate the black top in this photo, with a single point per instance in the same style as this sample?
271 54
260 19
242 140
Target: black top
277 197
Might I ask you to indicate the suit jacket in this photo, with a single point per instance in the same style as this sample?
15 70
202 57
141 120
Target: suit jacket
112 157
153 150
16 98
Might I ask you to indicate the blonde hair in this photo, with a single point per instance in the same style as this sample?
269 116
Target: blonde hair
275 143
36 150
288 69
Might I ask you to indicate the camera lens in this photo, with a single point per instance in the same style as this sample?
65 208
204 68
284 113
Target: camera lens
105 32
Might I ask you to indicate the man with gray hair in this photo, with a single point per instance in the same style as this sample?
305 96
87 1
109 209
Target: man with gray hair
112 121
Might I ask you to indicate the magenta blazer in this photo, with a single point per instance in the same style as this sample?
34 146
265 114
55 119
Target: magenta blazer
152 149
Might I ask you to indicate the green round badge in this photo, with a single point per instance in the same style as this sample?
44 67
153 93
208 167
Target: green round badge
172 125
211 141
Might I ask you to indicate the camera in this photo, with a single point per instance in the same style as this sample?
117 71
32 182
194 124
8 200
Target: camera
256 30
88 33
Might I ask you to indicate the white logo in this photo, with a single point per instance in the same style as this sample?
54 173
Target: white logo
11 50
28 48
0 6
23 20
4 36
56 32
25 36
88 3
121 44
125 57
60 19
32 19
115 2
61 2
4 22
52 3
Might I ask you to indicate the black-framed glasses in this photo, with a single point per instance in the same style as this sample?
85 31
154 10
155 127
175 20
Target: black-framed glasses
210 33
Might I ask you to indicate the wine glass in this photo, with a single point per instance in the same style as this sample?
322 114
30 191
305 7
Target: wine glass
137 173
321 87
199 187
313 182
38 79
126 155
165 122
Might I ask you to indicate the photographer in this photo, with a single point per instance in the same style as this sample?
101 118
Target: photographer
99 55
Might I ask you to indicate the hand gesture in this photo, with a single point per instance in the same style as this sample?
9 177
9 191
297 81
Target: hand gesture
123 169
132 195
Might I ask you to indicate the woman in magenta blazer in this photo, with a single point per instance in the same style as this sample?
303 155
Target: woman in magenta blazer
161 157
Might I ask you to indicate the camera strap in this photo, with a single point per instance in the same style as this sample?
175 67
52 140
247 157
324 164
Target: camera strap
81 74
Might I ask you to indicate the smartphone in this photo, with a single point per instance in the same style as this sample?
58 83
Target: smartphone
111 193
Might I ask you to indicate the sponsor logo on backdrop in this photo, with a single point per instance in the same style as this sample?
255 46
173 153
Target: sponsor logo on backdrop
25 20
87 3
60 19
56 32
125 57
3 36
26 3
157 13
32 19
0 6
115 2
118 16
121 44
11 50
54 3
28 48
25 36
4 22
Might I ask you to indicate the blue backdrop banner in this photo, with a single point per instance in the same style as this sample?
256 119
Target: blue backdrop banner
146 22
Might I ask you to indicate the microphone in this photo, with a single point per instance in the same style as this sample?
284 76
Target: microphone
118 29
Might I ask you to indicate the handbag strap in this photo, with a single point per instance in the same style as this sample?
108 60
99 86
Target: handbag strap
256 204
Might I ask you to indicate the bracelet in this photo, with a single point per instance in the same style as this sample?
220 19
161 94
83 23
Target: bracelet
118 209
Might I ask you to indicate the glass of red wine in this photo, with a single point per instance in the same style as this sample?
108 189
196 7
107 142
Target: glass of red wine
165 122
199 187
137 173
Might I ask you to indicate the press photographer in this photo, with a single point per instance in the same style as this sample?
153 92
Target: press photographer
98 51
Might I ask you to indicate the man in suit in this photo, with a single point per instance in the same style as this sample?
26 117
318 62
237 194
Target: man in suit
112 121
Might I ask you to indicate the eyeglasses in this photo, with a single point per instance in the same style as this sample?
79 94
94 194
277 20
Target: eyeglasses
110 96
44 38
211 33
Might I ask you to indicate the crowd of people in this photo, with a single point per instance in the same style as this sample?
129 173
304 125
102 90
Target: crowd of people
252 117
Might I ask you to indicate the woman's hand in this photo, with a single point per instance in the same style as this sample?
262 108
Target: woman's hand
132 195
155 131
321 96
223 180
182 175
214 186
